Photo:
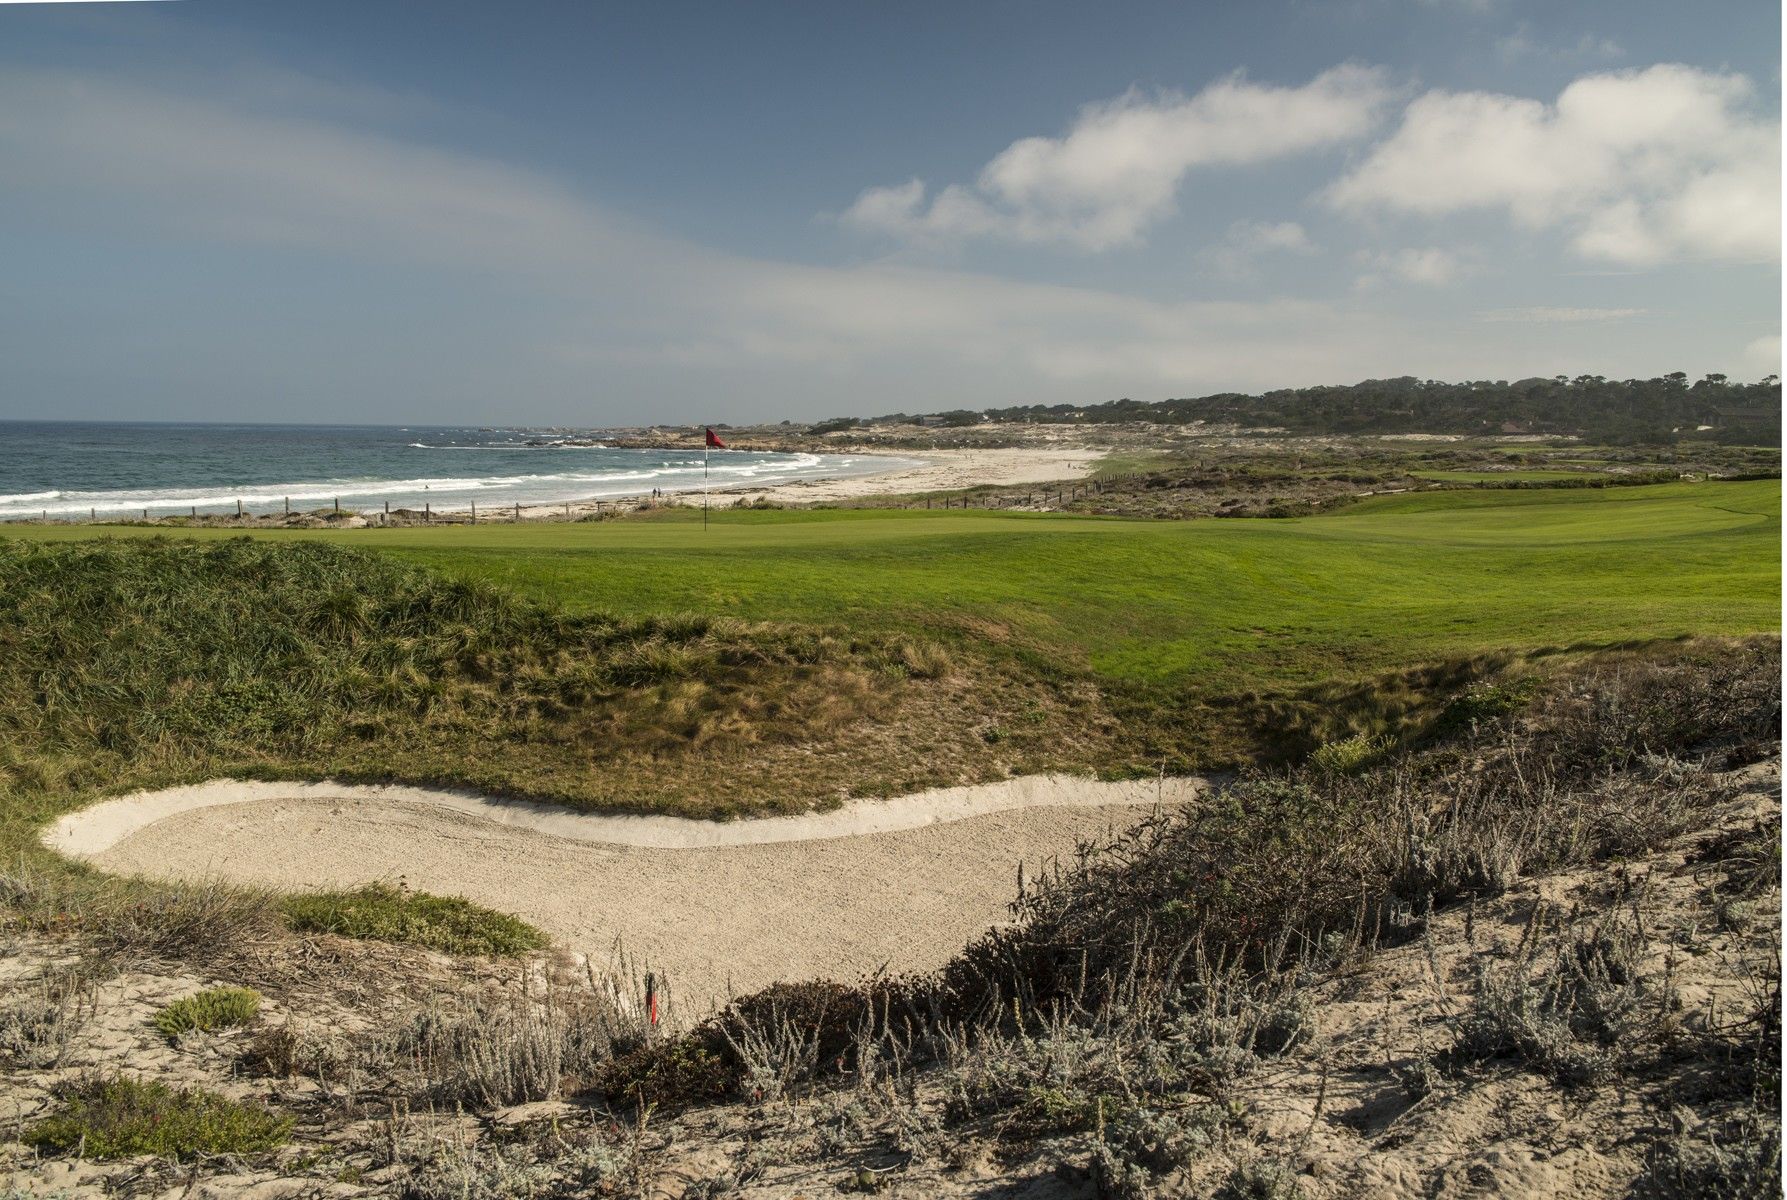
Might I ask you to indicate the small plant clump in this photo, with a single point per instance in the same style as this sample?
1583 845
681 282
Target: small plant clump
1349 754
382 913
119 1117
210 1010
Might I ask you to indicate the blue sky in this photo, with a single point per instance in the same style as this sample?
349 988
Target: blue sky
603 213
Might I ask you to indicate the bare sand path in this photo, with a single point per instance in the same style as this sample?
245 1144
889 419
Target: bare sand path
902 883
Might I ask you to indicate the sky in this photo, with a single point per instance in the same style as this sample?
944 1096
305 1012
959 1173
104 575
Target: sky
556 212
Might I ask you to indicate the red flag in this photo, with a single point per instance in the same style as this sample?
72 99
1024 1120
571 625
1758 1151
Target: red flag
714 442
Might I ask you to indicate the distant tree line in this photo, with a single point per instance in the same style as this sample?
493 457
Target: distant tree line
1617 411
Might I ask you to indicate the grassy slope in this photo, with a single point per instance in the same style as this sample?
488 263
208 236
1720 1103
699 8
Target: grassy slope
1223 606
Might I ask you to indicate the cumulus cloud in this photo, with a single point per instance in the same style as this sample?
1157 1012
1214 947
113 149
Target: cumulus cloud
1118 169
1545 315
113 154
579 313
1640 167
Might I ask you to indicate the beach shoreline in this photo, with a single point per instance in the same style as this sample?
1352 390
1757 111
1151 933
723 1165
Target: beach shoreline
945 470
918 473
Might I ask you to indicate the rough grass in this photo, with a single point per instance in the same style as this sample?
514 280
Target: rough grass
830 640
118 1117
136 663
1236 606
380 912
208 1011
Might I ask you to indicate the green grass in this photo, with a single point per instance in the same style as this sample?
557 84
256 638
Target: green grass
381 913
1224 606
1124 462
1526 475
210 1010
122 1117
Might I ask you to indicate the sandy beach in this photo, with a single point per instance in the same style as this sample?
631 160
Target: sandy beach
938 470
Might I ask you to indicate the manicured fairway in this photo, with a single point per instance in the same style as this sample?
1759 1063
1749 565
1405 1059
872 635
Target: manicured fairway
1225 604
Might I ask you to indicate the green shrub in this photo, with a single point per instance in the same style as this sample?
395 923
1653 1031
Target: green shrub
119 1117
381 913
212 1009
1485 701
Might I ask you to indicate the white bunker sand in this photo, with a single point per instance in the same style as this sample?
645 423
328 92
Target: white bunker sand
716 907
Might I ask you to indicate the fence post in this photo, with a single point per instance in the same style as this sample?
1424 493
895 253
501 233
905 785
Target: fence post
518 512
387 508
338 504
93 514
193 511
474 512
568 508
427 514
46 516
238 508
288 506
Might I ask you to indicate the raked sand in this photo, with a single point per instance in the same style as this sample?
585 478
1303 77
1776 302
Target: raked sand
717 907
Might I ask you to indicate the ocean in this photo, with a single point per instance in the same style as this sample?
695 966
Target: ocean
66 469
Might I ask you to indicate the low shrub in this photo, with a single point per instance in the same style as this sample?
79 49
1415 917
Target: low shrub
119 1117
493 1050
381 913
41 1017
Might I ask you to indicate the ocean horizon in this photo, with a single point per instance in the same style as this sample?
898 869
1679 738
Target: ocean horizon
69 469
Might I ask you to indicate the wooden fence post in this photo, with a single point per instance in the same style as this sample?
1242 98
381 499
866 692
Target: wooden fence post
474 512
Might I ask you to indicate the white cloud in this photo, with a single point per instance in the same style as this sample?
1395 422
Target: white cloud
1118 169
579 314
1430 266
1640 167
213 173
1545 315
1236 255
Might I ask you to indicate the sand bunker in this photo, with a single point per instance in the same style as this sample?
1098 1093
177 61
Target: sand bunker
717 907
